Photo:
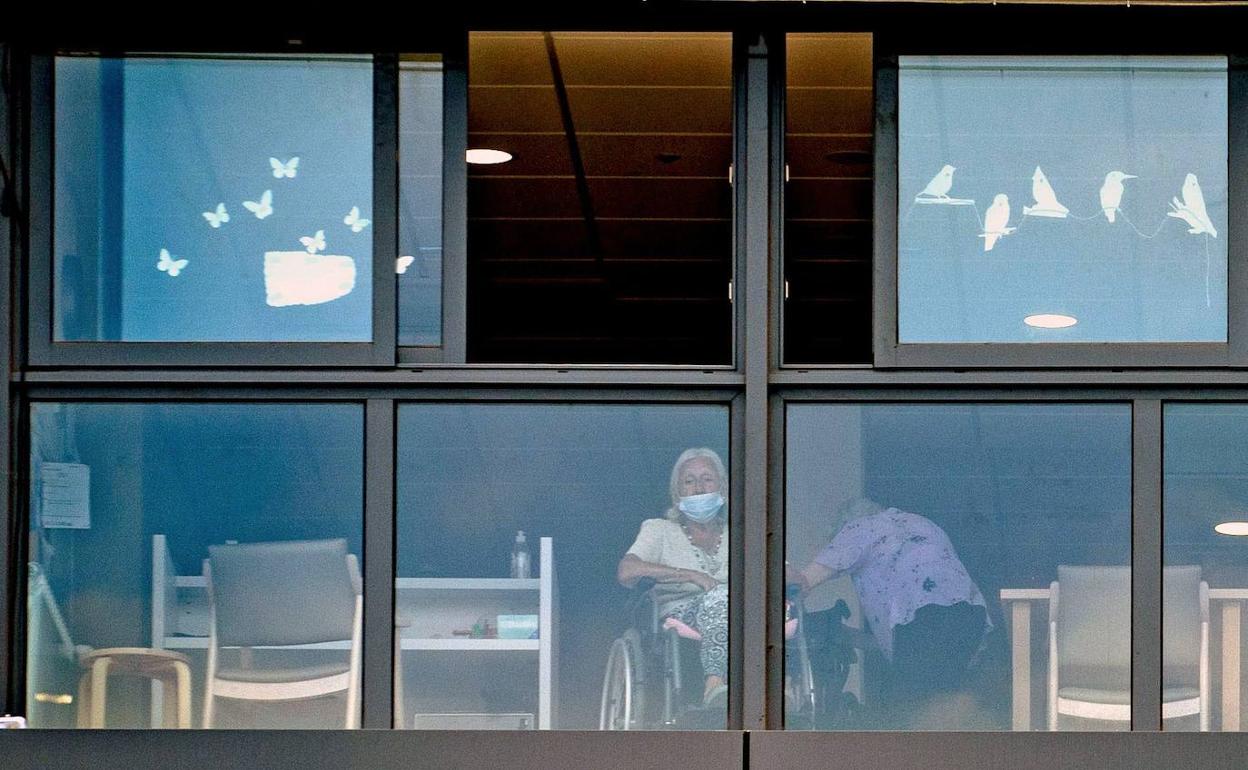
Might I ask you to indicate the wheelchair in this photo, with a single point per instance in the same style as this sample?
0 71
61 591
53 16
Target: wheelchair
654 680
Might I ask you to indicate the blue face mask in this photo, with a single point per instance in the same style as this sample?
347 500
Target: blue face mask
701 508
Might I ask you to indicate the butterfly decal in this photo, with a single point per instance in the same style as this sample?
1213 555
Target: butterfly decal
168 264
353 218
402 264
263 207
286 169
314 243
216 218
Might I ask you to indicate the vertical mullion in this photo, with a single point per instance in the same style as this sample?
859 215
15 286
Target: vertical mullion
378 660
455 203
1146 563
884 208
8 516
1237 190
385 207
756 177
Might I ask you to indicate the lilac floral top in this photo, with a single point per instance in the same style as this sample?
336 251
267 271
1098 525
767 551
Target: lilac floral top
899 562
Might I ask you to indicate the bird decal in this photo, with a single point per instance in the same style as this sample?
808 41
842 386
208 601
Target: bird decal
1192 208
996 220
1046 200
1111 193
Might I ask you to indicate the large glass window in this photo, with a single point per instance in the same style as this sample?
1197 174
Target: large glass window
1063 199
178 550
828 145
420 201
602 495
958 566
1205 494
602 233
213 199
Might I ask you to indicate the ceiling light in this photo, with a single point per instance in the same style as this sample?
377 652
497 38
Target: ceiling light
1050 321
1237 528
487 157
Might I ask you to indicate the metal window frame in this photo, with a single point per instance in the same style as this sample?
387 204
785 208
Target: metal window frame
44 351
889 352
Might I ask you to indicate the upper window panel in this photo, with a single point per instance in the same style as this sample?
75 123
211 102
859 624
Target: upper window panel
599 198
213 199
828 149
420 201
1063 199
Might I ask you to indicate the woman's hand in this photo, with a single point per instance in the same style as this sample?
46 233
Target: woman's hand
701 579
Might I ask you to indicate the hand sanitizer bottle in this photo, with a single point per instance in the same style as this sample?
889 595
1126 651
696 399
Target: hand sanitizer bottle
520 557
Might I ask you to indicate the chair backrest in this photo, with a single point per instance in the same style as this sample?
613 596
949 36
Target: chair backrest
1094 626
1181 616
292 592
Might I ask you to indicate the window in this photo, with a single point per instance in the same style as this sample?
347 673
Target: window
1063 199
827 198
585 484
208 199
929 535
130 503
420 201
1206 459
606 236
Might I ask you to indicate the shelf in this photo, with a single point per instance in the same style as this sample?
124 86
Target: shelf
467 584
489 645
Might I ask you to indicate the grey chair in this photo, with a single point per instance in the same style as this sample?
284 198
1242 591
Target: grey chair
283 594
1090 644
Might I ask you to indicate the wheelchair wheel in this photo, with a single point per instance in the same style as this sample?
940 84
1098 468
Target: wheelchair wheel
623 701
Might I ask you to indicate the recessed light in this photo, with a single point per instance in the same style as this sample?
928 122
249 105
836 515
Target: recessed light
1236 528
1050 321
487 157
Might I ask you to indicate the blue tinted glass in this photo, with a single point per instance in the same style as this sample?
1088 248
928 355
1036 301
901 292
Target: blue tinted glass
928 539
127 501
420 202
1062 200
209 199
1205 497
586 484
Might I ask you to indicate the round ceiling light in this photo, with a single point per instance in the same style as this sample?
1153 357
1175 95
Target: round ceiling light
1050 321
1236 528
487 157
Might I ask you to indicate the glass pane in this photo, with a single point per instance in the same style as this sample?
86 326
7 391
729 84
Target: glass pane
129 505
828 143
207 200
1206 575
1062 199
420 200
958 567
607 237
492 640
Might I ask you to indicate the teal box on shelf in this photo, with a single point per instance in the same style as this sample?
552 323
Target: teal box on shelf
517 626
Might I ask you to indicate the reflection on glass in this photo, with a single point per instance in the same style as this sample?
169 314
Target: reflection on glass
604 495
177 550
1091 188
1205 499
928 543
213 199
420 200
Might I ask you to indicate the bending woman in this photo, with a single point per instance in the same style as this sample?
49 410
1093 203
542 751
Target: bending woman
686 553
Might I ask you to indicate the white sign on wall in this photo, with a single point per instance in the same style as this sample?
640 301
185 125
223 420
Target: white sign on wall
65 496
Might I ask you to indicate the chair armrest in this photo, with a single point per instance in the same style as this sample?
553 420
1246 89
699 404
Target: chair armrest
1204 602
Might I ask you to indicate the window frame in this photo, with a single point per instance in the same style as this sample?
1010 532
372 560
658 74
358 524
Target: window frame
890 353
43 350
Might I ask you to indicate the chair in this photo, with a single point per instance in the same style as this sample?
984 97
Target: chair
1090 644
171 669
280 595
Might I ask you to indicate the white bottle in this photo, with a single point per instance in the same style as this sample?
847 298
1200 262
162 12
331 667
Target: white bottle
520 557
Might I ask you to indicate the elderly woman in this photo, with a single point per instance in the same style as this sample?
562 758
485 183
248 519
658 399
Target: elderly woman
686 554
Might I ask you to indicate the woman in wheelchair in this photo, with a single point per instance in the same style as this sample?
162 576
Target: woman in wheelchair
686 554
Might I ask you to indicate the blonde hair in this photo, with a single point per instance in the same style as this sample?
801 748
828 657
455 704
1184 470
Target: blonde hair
697 453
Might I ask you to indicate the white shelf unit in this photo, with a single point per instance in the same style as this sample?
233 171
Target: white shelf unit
427 612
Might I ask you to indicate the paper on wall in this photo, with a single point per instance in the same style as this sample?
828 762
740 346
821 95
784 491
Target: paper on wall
65 496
